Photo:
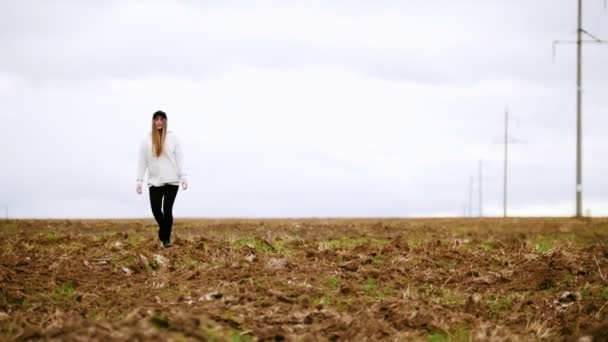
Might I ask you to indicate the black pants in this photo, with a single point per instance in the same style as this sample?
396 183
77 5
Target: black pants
163 197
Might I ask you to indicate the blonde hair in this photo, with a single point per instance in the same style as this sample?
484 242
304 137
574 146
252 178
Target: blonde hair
158 138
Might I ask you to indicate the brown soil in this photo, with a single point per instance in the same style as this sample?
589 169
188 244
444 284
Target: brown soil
309 280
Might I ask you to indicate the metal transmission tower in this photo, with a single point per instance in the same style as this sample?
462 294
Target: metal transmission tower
579 80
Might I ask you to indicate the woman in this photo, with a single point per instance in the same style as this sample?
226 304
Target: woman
161 155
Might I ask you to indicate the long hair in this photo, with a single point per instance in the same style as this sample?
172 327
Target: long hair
158 138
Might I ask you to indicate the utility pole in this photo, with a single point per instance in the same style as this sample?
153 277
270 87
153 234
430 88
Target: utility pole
504 190
471 196
579 106
480 191
507 140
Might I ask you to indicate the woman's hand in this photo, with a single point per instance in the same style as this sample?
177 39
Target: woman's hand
138 189
184 185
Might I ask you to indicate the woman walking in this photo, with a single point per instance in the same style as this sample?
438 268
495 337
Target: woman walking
161 155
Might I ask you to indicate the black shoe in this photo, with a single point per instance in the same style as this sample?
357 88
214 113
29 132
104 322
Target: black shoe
167 244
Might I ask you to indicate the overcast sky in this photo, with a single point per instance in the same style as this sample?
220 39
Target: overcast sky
301 108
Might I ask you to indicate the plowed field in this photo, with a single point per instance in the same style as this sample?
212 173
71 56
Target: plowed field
308 280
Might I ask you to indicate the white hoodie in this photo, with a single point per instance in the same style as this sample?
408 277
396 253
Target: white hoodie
166 169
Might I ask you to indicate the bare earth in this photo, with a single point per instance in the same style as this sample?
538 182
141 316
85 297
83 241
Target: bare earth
308 280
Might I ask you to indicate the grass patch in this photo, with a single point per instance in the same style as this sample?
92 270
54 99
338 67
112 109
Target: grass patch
8 302
586 291
324 300
604 293
103 235
135 240
341 243
217 334
237 337
351 243
499 303
342 303
449 297
568 279
377 260
50 236
211 334
10 226
370 285
170 293
71 246
585 237
542 244
487 247
7 249
439 336
589 291
190 263
160 322
415 239
280 248
181 338
459 334
334 282
464 230
65 292
154 265
131 260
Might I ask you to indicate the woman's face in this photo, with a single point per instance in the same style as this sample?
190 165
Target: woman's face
159 123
